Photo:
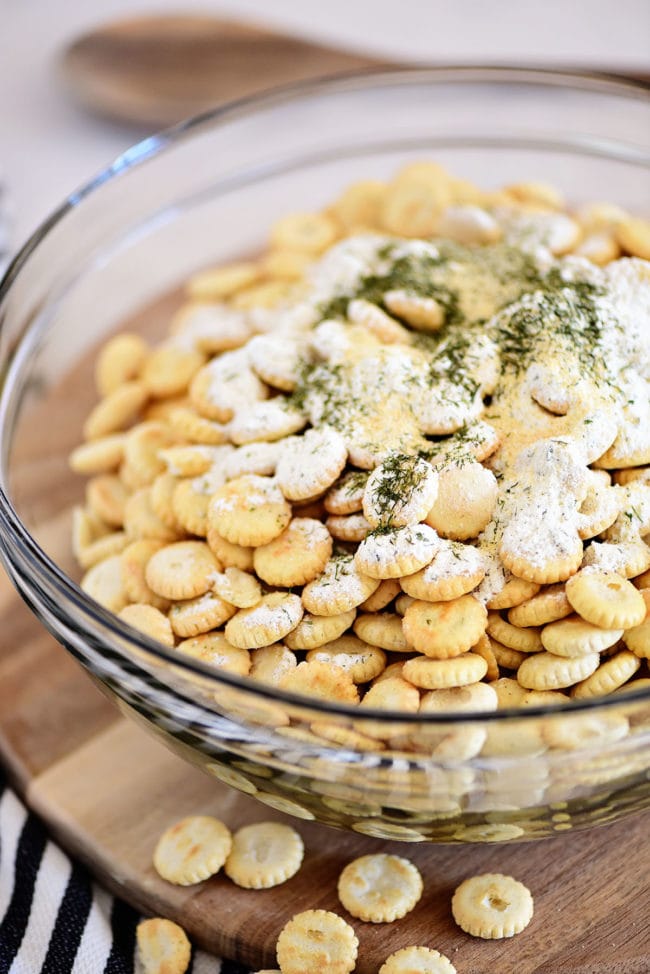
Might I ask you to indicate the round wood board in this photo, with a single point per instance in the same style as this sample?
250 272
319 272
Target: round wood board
107 790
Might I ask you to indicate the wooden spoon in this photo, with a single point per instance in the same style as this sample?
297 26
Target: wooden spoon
154 71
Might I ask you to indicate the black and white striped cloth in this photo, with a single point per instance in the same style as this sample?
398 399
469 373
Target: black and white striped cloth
53 918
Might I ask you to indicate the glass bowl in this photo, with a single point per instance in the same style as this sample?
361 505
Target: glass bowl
207 191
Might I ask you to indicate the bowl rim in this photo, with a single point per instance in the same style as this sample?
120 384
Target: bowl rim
14 532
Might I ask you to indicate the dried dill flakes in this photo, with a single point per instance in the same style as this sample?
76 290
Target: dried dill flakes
412 273
400 475
355 481
322 393
458 449
567 316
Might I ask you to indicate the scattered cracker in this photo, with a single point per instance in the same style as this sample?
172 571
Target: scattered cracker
192 850
264 855
383 629
492 906
379 888
417 960
163 947
317 941
214 649
194 616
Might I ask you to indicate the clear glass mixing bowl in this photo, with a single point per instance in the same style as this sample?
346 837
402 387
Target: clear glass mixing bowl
208 191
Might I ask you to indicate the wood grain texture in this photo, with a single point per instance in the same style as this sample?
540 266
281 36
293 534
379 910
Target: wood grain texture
155 71
107 790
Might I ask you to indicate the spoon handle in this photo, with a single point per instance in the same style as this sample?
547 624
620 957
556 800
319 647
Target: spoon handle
154 71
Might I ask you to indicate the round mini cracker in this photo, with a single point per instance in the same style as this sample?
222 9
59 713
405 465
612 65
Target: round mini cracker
249 511
465 501
545 671
438 674
346 495
192 850
148 620
263 855
574 636
492 906
362 661
456 569
296 556
400 491
605 599
274 616
116 410
417 960
99 456
269 664
445 629
379 888
638 638
341 586
514 592
310 463
388 590
194 616
120 360
610 675
547 605
316 941
133 560
214 649
348 527
273 419
313 631
181 570
162 947
394 552
523 640
237 587
383 629
315 678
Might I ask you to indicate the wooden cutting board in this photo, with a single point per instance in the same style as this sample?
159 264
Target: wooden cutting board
107 790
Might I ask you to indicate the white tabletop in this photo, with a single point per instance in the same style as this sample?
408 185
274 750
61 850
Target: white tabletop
48 146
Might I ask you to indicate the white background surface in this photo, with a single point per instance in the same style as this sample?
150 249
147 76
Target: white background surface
48 146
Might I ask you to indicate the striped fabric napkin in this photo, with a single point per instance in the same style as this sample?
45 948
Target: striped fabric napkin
53 918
